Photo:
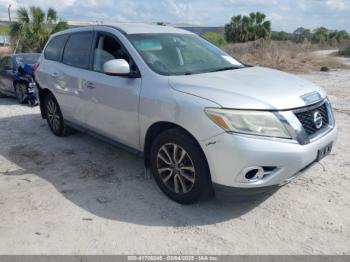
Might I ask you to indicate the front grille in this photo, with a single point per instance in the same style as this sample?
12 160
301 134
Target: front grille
306 118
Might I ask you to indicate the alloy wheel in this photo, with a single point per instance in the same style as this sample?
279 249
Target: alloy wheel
53 115
176 168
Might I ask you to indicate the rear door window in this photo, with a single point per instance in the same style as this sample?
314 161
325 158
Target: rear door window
54 49
77 50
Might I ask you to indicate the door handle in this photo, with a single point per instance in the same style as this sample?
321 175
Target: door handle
54 75
90 85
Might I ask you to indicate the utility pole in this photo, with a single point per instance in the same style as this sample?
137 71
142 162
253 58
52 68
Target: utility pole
9 11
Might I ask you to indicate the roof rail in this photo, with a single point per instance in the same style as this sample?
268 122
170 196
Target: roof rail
114 27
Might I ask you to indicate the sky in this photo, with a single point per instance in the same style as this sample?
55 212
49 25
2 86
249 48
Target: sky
285 15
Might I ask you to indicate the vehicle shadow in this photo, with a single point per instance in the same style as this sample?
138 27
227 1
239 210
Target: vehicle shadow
12 101
102 179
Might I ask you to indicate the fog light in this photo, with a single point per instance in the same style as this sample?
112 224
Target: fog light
251 174
255 174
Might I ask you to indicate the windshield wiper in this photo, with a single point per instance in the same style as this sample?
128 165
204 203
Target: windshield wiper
216 70
227 68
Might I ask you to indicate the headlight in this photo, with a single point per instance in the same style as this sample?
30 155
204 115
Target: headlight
261 123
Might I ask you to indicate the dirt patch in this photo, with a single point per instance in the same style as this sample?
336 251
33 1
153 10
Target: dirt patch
98 171
30 157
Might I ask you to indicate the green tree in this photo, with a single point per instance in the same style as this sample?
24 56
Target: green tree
248 28
215 38
33 28
301 34
233 30
281 36
262 26
320 35
338 36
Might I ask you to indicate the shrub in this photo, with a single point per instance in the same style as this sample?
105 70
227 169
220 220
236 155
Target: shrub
215 38
345 52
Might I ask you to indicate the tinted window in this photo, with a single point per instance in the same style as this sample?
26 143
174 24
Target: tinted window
77 51
54 49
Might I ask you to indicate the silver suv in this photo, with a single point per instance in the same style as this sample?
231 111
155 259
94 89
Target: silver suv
202 120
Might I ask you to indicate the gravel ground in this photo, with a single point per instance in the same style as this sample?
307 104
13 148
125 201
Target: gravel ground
78 195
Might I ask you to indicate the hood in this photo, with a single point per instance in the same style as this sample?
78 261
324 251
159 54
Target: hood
249 88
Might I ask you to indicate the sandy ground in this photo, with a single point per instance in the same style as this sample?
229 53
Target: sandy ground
78 195
344 60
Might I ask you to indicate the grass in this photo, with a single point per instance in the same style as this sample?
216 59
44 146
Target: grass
286 56
4 29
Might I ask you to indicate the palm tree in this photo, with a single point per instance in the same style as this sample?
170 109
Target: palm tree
339 36
263 27
248 28
320 35
252 17
234 30
33 28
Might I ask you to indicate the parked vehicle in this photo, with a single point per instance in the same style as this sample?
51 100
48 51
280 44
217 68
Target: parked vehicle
201 119
16 76
25 73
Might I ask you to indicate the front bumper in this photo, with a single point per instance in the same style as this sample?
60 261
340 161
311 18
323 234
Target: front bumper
228 155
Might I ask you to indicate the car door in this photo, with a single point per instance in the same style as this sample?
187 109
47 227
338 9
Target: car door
70 75
110 103
6 74
49 75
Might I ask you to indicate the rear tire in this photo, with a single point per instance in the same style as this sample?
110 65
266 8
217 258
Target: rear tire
21 90
179 167
54 117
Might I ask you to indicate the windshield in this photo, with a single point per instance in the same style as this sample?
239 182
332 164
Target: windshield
177 54
29 59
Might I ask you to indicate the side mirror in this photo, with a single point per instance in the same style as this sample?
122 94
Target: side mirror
117 67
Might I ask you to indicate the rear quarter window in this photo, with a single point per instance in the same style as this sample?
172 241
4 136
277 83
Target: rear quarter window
55 47
77 50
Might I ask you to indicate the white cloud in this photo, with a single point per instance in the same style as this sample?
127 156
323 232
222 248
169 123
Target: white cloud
338 5
284 14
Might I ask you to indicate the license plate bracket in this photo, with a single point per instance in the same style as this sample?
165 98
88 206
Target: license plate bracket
325 151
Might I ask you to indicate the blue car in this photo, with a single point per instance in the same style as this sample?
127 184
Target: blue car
14 81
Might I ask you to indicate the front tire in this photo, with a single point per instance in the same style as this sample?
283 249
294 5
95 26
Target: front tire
179 167
54 117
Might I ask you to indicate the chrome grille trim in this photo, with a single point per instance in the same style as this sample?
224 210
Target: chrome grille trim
297 130
306 118
326 112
